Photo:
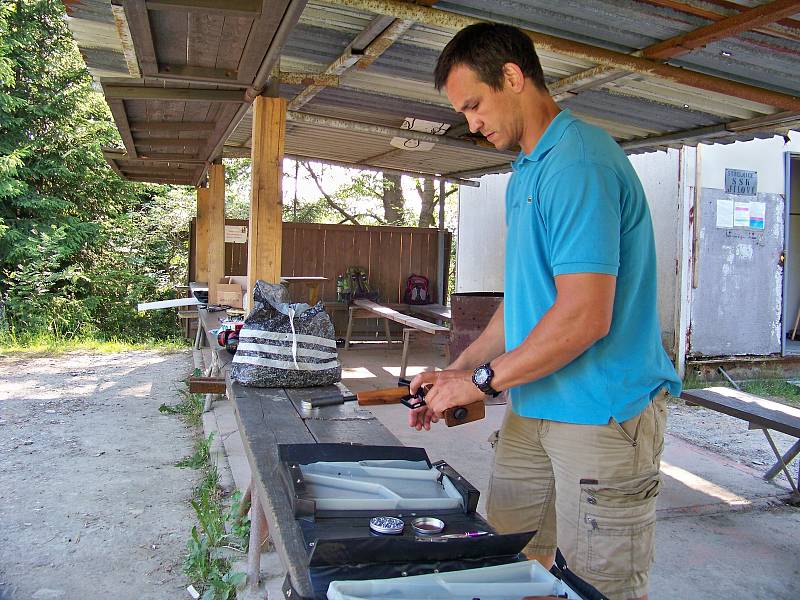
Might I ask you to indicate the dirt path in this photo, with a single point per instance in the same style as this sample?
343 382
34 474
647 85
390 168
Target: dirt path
91 504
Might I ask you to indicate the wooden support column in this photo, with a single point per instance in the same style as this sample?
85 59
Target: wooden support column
216 228
266 201
201 236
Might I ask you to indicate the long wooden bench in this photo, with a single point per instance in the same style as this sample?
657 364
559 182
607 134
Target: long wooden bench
760 414
363 308
270 416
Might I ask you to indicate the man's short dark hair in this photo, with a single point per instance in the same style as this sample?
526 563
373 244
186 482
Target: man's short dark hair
485 48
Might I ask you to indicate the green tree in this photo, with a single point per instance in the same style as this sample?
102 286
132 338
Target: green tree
65 223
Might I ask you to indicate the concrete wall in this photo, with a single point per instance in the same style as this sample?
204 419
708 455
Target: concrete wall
481 235
659 173
737 307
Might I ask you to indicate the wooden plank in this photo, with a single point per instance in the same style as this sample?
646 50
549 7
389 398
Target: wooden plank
436 311
260 38
119 112
172 93
202 233
266 418
220 7
142 36
747 407
408 321
216 228
266 203
206 385
164 126
192 73
235 32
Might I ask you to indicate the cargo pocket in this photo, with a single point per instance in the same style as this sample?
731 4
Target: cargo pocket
617 525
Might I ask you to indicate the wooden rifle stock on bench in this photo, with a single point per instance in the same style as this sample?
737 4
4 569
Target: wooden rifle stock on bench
452 416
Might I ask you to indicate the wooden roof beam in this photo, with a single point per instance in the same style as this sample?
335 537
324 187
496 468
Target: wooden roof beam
783 28
164 126
142 35
602 56
134 92
244 8
678 45
170 142
117 107
744 21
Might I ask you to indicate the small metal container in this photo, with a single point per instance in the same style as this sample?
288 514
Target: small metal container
427 525
386 525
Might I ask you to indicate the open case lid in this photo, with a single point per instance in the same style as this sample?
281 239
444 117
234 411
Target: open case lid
346 479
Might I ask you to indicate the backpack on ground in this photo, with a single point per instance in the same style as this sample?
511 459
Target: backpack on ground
417 290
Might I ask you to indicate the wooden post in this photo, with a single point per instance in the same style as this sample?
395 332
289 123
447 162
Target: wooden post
266 201
201 236
216 228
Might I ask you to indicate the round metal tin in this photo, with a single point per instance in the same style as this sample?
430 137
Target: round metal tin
427 525
386 525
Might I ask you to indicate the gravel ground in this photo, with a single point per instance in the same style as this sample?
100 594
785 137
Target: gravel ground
91 504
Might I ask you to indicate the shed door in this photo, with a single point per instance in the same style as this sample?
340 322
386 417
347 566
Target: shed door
737 304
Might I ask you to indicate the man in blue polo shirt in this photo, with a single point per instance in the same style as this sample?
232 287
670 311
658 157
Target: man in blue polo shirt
576 341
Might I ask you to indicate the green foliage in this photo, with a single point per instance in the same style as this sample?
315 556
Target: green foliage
79 247
201 455
190 408
238 525
778 389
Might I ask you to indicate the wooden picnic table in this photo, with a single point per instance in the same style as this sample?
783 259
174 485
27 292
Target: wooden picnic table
270 416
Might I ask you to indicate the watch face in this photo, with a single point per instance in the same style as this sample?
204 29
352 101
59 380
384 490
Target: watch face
481 375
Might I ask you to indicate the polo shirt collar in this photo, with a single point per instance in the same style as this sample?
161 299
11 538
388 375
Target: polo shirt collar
550 137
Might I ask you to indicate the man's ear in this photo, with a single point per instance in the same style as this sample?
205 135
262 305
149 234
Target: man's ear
513 76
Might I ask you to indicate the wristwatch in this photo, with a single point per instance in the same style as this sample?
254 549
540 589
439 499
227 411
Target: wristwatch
482 378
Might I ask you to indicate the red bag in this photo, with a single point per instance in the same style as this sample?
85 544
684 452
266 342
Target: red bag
417 290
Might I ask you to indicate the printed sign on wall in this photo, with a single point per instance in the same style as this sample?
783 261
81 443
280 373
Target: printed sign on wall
741 183
236 234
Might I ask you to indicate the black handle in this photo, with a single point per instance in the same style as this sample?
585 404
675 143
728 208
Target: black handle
460 413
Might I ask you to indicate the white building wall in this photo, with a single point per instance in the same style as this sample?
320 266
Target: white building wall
480 251
659 173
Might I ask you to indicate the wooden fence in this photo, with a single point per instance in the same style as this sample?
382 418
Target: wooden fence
389 254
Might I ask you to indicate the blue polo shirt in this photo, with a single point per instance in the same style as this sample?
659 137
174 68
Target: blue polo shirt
575 205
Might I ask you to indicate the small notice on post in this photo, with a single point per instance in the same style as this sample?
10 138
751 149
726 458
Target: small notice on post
235 234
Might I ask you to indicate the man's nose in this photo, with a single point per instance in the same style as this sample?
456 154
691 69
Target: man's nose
475 124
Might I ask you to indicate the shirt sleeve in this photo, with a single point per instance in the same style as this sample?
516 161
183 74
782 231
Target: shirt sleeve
581 208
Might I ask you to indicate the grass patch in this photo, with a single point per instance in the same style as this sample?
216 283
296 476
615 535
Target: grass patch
190 408
52 345
219 532
778 388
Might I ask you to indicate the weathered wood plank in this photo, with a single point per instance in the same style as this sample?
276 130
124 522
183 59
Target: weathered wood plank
407 320
753 409
266 418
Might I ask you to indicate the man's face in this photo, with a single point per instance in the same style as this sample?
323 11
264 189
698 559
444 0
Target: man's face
489 111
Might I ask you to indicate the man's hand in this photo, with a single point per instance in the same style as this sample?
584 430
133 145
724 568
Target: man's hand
450 389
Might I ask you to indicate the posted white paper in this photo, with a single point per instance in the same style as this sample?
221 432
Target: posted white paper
741 214
724 213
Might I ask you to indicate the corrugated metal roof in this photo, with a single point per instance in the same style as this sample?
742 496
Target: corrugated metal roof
642 111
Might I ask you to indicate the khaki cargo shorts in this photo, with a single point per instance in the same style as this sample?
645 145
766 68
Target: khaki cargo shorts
588 489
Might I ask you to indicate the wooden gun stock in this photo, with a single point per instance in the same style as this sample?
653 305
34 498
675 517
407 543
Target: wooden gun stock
452 416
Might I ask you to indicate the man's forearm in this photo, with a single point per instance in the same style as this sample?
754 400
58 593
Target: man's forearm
489 345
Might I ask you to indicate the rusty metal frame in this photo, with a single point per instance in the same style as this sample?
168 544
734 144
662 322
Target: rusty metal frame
601 56
680 44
